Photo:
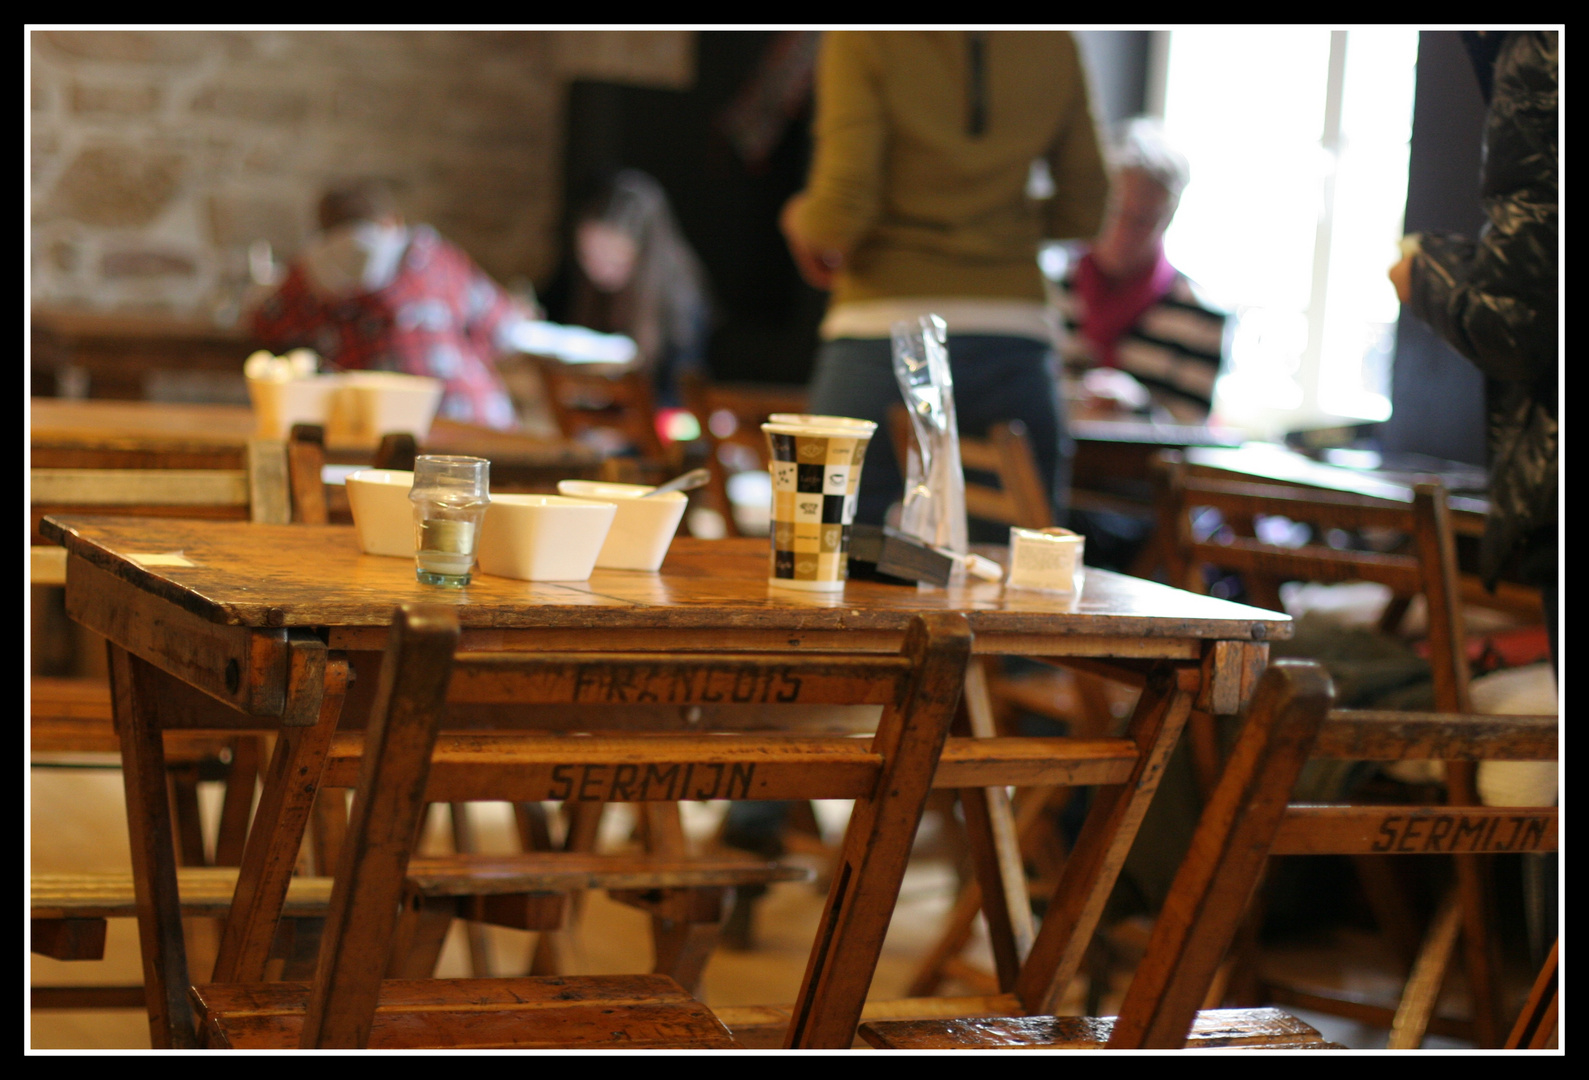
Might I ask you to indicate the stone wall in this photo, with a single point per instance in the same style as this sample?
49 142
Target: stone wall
158 158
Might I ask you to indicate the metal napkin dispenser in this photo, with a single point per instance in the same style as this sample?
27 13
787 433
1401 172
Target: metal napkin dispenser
878 553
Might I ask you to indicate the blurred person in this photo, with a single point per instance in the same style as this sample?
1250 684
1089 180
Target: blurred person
373 292
1496 300
635 274
919 202
1140 337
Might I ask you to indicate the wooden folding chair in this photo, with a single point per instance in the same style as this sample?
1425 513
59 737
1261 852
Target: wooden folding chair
1424 564
1464 831
1161 1009
731 415
403 767
70 715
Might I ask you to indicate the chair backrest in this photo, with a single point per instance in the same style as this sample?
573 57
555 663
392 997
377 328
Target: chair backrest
889 778
1420 555
276 483
1016 494
589 397
731 415
1403 829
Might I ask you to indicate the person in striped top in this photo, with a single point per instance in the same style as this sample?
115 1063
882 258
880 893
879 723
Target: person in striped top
1140 337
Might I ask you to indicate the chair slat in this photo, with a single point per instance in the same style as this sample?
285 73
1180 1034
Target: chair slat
1212 1028
1414 830
527 768
1383 735
1402 573
135 487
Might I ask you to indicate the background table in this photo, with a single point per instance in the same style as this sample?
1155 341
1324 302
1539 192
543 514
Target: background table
155 435
118 355
261 617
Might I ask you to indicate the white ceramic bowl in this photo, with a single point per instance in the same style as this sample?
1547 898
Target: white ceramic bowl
371 404
543 537
381 511
641 530
281 403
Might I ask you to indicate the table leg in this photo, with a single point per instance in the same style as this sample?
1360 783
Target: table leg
1106 837
995 846
285 804
154 859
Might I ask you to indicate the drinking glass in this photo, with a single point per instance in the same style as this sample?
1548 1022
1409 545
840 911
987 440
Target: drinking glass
450 496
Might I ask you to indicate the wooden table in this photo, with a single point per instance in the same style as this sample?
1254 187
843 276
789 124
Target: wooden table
149 435
1269 463
124 355
262 618
1113 467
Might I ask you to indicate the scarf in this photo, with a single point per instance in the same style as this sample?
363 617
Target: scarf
1110 308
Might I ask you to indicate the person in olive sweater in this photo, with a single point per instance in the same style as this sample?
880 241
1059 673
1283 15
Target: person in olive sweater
941 161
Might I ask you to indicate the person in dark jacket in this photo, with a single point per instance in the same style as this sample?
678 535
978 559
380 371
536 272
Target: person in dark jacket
1496 301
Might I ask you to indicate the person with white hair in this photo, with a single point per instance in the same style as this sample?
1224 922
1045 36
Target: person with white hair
1140 336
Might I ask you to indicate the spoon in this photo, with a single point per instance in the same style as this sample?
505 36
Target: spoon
688 482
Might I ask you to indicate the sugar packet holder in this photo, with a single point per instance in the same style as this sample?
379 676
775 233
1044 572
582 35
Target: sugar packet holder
1045 560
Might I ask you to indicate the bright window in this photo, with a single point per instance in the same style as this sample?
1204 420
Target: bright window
1298 144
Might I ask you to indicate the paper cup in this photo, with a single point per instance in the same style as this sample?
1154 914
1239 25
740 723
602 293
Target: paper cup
1046 560
815 463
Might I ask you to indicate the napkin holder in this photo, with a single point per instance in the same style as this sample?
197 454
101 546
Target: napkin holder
878 553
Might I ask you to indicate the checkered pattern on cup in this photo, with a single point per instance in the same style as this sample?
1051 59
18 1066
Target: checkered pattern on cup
816 471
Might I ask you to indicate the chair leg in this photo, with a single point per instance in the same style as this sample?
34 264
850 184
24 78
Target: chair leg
185 814
1474 877
238 804
421 933
463 842
1422 991
1535 1028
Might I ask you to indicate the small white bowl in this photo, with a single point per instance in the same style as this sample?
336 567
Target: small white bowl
281 403
641 531
543 537
371 404
381 511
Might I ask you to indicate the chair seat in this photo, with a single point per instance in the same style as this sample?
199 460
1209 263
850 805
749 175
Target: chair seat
589 1012
1254 1028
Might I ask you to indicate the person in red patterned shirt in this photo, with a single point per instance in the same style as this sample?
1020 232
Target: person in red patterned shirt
371 292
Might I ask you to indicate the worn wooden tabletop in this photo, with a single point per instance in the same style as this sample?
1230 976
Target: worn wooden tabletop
244 575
